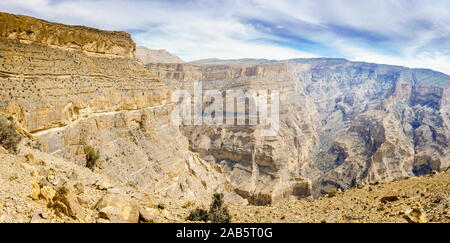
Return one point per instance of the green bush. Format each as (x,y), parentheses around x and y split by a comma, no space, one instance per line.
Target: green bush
(92,156)
(9,137)
(218,212)
(198,215)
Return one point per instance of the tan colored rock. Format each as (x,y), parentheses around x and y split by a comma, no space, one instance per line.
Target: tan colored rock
(25,166)
(83,201)
(147,215)
(52,178)
(48,193)
(66,202)
(103,221)
(118,209)
(416,215)
(155,56)
(79,187)
(30,158)
(38,217)
(103,185)
(3,150)
(35,191)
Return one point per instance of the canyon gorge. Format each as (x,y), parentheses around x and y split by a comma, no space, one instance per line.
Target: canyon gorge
(343,124)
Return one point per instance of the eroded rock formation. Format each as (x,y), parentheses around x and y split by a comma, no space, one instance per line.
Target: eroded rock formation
(30,30)
(342,123)
(72,86)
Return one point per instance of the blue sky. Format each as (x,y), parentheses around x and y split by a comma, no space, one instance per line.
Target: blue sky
(413,33)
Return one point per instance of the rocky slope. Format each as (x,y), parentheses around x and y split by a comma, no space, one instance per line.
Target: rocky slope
(155,56)
(25,181)
(413,200)
(342,123)
(70,87)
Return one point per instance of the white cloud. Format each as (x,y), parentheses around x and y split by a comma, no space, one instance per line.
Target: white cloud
(417,31)
(430,60)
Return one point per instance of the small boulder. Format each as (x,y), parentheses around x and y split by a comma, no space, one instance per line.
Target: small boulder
(48,193)
(43,182)
(103,185)
(416,215)
(118,209)
(66,202)
(102,221)
(3,150)
(146,215)
(52,178)
(83,201)
(387,199)
(38,217)
(79,188)
(35,191)
(30,158)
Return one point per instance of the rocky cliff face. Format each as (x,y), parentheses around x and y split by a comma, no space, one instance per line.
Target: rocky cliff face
(29,30)
(71,86)
(342,123)
(156,56)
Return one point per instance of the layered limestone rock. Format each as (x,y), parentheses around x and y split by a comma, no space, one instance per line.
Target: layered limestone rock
(341,123)
(68,98)
(155,56)
(30,30)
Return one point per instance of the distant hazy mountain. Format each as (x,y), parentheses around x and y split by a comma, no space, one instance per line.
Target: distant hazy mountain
(156,56)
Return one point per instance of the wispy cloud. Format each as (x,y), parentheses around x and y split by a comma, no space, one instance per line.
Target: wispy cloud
(412,33)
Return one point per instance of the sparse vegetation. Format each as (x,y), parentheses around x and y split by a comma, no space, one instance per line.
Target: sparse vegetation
(92,156)
(161,206)
(332,192)
(9,137)
(218,212)
(198,214)
(36,144)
